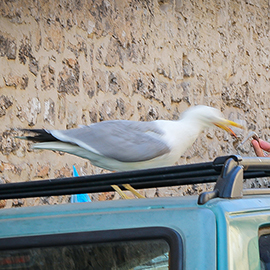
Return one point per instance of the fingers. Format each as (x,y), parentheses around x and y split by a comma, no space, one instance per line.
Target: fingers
(265,145)
(258,150)
(260,146)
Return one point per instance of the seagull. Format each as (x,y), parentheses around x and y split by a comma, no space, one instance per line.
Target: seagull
(123,145)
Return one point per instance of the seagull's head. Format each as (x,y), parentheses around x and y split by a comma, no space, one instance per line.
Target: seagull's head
(207,116)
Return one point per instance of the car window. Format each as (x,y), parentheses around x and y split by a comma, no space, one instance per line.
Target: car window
(137,249)
(264,247)
(148,254)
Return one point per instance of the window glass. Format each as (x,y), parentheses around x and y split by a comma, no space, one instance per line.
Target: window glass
(137,255)
(264,247)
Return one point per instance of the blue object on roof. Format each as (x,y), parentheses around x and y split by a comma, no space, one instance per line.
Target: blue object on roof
(79,198)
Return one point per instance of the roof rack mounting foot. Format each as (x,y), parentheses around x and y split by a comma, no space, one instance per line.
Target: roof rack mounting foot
(207,196)
(229,184)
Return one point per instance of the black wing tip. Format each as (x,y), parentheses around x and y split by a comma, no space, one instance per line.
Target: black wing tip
(41,135)
(38,131)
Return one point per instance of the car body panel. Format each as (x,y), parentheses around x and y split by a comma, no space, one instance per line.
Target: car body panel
(196,225)
(221,234)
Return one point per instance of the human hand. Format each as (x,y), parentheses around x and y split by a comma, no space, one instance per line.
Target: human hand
(261,146)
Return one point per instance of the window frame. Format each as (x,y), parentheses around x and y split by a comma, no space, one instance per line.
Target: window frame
(172,237)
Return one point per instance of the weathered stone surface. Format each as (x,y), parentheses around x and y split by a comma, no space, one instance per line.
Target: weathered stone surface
(49,111)
(114,55)
(30,111)
(113,84)
(47,78)
(93,115)
(65,171)
(81,62)
(236,96)
(79,48)
(120,105)
(16,81)
(68,81)
(42,171)
(25,51)
(107,110)
(54,39)
(72,115)
(5,103)
(5,166)
(8,47)
(61,108)
(8,144)
(152,114)
(18,202)
(88,85)
(3,203)
(188,69)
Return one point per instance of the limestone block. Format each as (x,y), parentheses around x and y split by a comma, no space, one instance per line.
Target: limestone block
(13,14)
(49,111)
(32,109)
(72,115)
(113,84)
(152,114)
(65,171)
(7,166)
(125,109)
(8,47)
(25,51)
(47,77)
(8,145)
(79,48)
(18,202)
(54,39)
(101,80)
(68,80)
(42,171)
(163,69)
(120,105)
(112,56)
(186,94)
(93,115)
(5,103)
(88,85)
(188,68)
(150,192)
(117,82)
(237,95)
(107,110)
(16,81)
(151,87)
(3,203)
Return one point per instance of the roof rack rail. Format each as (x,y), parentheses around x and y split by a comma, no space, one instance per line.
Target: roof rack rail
(227,171)
(230,182)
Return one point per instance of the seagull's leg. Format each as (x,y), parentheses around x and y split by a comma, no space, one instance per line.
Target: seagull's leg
(133,191)
(128,187)
(120,192)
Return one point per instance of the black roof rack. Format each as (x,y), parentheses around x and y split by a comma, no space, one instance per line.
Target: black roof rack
(228,172)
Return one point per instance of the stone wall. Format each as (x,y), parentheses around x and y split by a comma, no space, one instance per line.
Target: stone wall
(66,63)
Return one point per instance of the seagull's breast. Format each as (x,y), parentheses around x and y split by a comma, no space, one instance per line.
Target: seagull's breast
(179,136)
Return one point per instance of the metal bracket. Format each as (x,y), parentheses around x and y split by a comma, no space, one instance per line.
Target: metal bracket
(229,183)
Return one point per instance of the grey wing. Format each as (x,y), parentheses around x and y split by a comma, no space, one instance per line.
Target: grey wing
(125,141)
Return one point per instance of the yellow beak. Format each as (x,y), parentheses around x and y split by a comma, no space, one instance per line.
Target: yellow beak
(224,124)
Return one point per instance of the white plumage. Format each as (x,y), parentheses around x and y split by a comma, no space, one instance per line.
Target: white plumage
(122,145)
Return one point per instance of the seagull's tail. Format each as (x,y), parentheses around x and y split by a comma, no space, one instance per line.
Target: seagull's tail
(41,135)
